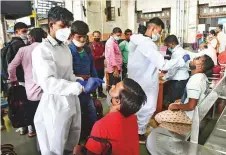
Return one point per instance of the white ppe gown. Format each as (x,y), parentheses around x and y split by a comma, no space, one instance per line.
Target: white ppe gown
(58,116)
(144,62)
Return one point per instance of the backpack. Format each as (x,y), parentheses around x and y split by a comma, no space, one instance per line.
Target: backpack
(6,57)
(19,108)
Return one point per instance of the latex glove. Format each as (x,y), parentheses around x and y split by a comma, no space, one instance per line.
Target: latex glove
(92,84)
(186,57)
(82,82)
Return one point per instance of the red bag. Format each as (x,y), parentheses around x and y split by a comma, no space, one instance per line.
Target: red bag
(216,69)
(222,58)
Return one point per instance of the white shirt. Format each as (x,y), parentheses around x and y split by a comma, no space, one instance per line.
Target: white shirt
(213,43)
(196,88)
(178,73)
(221,36)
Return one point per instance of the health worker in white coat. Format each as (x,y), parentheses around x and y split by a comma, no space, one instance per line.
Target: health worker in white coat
(144,62)
(58,117)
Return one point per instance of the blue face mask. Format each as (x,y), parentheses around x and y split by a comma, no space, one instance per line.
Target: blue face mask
(170,49)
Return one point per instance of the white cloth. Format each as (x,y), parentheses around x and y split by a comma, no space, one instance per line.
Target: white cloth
(221,36)
(210,51)
(144,62)
(58,117)
(196,88)
(178,73)
(213,43)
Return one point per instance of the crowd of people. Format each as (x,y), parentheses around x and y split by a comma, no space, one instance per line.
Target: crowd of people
(61,74)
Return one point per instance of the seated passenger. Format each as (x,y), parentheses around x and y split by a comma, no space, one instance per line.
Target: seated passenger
(178,76)
(119,126)
(183,112)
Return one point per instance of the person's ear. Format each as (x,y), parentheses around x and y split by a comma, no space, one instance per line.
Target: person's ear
(51,25)
(117,101)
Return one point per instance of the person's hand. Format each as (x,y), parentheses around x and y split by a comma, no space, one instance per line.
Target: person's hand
(177,101)
(186,57)
(173,107)
(92,84)
(82,82)
(116,73)
(15,83)
(78,150)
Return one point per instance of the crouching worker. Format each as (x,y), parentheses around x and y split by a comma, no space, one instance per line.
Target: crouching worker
(117,132)
(195,92)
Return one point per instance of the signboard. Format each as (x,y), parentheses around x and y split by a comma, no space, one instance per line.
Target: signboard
(43,7)
(217,3)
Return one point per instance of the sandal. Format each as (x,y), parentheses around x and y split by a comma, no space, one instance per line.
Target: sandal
(23,132)
(32,134)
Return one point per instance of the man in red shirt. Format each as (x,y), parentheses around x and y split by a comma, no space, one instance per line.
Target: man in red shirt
(98,53)
(119,127)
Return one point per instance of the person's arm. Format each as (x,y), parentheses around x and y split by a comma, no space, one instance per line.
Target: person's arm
(110,55)
(92,66)
(45,75)
(150,51)
(14,64)
(122,46)
(170,73)
(92,145)
(184,107)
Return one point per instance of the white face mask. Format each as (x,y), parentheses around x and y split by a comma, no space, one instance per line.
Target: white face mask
(117,38)
(78,44)
(63,34)
(155,37)
(24,38)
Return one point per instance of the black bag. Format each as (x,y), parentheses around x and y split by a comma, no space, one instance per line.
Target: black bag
(107,147)
(99,108)
(19,107)
(6,58)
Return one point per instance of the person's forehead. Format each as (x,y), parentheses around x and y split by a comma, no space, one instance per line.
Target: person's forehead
(120,85)
(96,34)
(118,33)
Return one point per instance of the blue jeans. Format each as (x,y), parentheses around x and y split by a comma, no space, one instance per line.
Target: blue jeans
(88,110)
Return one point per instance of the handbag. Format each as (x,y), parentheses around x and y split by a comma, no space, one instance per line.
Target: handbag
(19,108)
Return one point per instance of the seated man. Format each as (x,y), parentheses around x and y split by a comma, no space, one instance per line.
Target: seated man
(195,89)
(83,66)
(119,127)
(177,77)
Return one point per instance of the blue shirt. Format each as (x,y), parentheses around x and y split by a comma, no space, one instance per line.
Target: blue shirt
(83,65)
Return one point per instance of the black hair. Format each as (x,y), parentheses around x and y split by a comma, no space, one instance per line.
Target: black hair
(60,14)
(96,32)
(208,63)
(132,97)
(127,31)
(171,39)
(142,29)
(117,30)
(220,26)
(79,27)
(157,21)
(38,34)
(213,32)
(19,26)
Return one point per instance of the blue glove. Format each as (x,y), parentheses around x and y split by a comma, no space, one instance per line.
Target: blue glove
(186,57)
(92,84)
(82,82)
